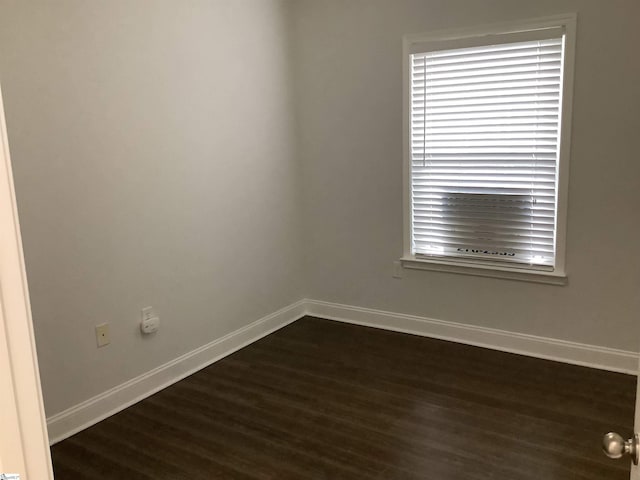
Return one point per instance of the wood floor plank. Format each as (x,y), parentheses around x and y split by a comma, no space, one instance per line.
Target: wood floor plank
(325,400)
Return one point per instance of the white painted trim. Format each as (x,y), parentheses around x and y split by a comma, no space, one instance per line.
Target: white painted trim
(496,28)
(483,270)
(93,410)
(534,346)
(635,469)
(569,22)
(24,447)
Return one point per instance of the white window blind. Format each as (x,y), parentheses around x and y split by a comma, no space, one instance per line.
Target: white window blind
(484,147)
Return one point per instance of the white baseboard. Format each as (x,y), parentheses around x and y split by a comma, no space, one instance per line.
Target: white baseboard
(541,347)
(90,412)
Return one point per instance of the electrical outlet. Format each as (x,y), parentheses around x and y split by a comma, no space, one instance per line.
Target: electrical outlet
(102,334)
(397,269)
(150,321)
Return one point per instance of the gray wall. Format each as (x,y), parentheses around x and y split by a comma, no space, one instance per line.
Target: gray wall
(152,145)
(181,154)
(349,100)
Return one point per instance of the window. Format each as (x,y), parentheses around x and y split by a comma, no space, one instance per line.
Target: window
(487,149)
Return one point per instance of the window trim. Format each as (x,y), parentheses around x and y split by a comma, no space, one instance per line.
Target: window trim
(558,275)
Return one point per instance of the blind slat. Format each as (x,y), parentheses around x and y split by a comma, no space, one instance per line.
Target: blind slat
(491,54)
(488,80)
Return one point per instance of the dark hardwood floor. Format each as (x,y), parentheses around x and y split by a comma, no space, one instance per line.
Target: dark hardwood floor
(324,400)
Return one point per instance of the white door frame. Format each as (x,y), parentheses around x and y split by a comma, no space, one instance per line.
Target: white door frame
(24,444)
(635,469)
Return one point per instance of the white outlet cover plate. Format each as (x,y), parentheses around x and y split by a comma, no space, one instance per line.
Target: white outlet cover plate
(102,334)
(397,269)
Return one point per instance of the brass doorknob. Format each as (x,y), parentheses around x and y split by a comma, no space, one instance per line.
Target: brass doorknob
(615,446)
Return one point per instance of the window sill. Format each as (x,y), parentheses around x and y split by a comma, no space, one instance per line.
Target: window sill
(493,271)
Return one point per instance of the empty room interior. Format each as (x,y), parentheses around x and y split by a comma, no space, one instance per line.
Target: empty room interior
(328,239)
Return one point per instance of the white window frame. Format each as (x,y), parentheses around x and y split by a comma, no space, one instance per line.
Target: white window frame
(558,276)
